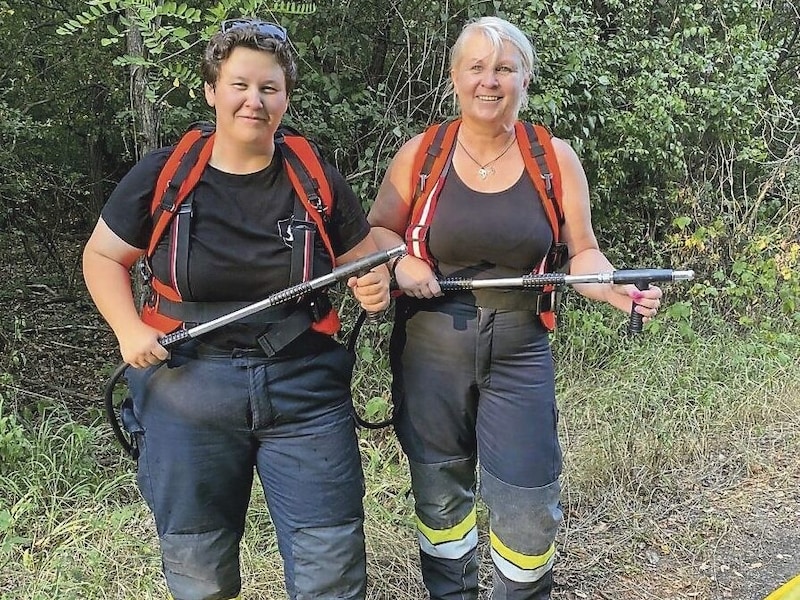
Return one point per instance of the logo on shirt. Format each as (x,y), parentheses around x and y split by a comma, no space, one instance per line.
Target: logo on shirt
(288,228)
(285,231)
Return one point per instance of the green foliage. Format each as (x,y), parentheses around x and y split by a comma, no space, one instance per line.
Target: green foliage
(37,199)
(762,286)
(158,42)
(745,249)
(644,92)
(14,446)
(368,84)
(55,132)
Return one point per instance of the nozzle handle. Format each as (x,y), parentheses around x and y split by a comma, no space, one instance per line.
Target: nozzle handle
(636,322)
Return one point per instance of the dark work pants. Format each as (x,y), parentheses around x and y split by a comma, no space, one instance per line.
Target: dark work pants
(207,419)
(477,385)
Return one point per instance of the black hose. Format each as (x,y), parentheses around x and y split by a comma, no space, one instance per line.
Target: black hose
(111,413)
(351,347)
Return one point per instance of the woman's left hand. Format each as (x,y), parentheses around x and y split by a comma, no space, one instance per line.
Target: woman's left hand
(645,302)
(371,290)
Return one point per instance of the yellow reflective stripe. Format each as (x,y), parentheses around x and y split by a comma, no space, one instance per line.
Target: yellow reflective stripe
(452,550)
(514,573)
(451,534)
(523,561)
(788,591)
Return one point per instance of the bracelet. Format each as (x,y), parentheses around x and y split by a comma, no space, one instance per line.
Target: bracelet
(393,266)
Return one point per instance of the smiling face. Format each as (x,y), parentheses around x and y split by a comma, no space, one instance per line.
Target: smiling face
(489,83)
(249,97)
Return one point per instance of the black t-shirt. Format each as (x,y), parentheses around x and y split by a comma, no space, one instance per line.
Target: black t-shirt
(237,248)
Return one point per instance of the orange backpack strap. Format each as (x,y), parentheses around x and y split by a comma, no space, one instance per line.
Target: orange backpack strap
(177,179)
(312,187)
(175,183)
(430,167)
(542,167)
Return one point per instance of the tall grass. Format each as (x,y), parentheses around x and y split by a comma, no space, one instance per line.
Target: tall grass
(642,421)
(660,405)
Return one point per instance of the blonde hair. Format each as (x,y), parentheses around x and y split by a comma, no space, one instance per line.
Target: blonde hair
(497,31)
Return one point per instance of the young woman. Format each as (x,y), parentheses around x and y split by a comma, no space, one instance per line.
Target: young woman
(220,407)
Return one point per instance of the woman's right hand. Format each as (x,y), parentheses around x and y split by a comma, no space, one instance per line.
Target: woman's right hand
(107,260)
(416,278)
(139,346)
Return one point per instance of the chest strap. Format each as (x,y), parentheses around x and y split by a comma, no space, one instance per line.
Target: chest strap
(196,313)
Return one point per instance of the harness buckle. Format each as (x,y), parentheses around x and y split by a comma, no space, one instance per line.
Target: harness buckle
(145,271)
(557,257)
(319,306)
(280,334)
(548,182)
(317,203)
(147,295)
(423,178)
(168,199)
(548,301)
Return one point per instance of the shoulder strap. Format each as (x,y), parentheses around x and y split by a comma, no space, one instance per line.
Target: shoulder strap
(431,160)
(312,187)
(542,167)
(305,170)
(430,167)
(178,177)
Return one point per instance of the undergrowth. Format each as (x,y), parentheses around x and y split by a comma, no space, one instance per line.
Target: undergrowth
(639,419)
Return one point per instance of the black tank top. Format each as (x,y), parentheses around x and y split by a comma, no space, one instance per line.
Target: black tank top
(487,235)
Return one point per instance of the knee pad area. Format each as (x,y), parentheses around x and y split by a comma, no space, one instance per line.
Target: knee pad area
(328,562)
(523,526)
(444,497)
(444,493)
(202,566)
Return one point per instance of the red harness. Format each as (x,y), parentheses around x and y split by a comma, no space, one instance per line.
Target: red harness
(432,163)
(180,175)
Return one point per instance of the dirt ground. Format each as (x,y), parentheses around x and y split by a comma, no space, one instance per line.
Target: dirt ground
(747,532)
(732,537)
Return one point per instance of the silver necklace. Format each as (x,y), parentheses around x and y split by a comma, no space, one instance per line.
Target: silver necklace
(485,170)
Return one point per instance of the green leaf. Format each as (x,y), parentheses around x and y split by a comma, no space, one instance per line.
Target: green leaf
(681,222)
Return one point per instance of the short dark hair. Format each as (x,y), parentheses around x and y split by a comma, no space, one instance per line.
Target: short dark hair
(223,43)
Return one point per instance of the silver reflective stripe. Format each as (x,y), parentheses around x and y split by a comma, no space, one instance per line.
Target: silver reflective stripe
(515,573)
(452,550)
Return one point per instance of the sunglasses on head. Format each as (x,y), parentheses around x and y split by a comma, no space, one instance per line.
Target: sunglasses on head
(270,30)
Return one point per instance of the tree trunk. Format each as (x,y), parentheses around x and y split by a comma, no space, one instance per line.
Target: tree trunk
(146,123)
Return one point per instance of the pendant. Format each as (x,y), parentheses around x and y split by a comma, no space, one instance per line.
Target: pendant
(483,173)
